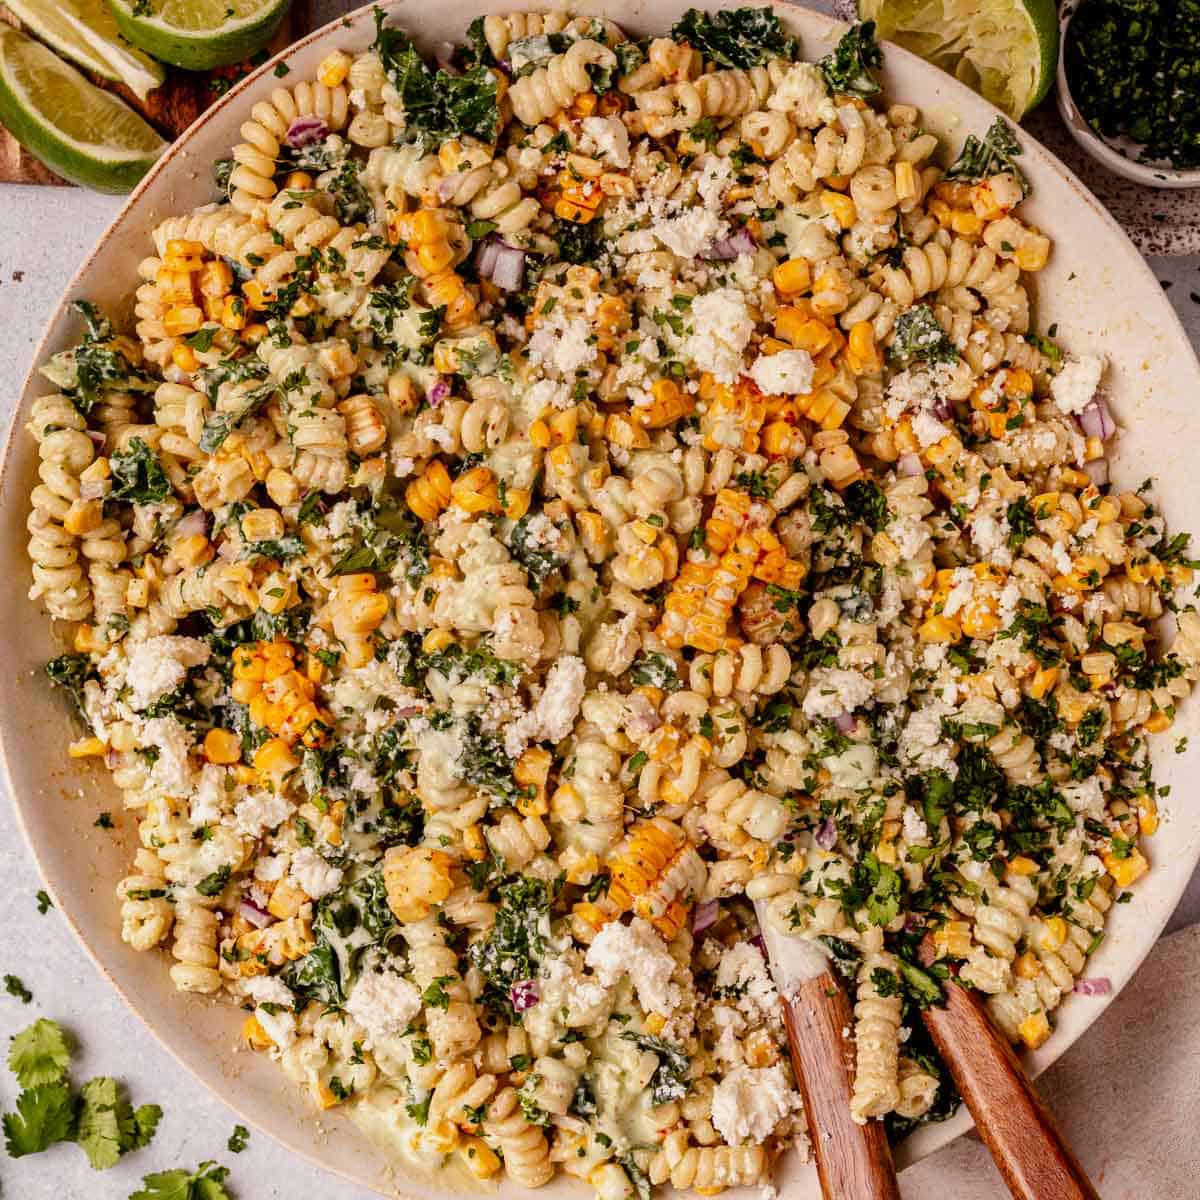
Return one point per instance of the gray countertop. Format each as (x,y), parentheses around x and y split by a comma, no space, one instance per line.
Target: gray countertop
(44,234)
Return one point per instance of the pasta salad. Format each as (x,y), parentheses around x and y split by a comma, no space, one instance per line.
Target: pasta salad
(555,501)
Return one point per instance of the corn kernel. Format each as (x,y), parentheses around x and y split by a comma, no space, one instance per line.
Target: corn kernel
(654,1023)
(88,747)
(333,69)
(792,277)
(254,1035)
(1126,871)
(1022,865)
(1034,1030)
(1147,811)
(181,319)
(1027,966)
(480,1159)
(184,357)
(222,747)
(842,208)
(1054,933)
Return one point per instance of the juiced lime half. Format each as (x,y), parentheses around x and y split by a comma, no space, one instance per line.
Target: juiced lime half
(84,133)
(1007,50)
(85,32)
(199,34)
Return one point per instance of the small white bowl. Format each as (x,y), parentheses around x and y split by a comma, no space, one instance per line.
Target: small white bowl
(1118,154)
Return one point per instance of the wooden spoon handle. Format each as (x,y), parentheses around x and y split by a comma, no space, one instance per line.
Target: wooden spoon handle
(1011,1117)
(854,1161)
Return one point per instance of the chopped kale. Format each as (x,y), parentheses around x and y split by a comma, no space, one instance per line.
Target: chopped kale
(137,475)
(848,69)
(736,37)
(990,156)
(512,949)
(919,336)
(671,1078)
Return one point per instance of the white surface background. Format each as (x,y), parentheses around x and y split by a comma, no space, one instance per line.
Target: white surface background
(1119,1134)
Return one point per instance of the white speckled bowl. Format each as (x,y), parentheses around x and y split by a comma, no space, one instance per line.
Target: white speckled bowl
(1118,154)
(1096,288)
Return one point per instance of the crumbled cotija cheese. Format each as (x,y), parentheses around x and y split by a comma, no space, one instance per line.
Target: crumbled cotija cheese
(172,771)
(743,970)
(610,138)
(802,93)
(790,372)
(750,1101)
(688,234)
(553,716)
(638,951)
(313,874)
(159,665)
(261,811)
(1074,387)
(721,329)
(832,691)
(383,1003)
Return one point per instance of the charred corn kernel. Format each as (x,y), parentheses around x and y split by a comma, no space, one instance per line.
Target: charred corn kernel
(531,772)
(862,354)
(88,639)
(668,404)
(430,494)
(1034,1030)
(435,640)
(619,429)
(221,746)
(181,319)
(514,502)
(841,207)
(781,440)
(1033,253)
(333,69)
(1022,865)
(965,224)
(906,181)
(474,491)
(802,332)
(183,248)
(1128,870)
(1158,723)
(286,900)
(254,1035)
(792,277)
(1043,681)
(568,210)
(257,296)
(275,759)
(824,407)
(1027,966)
(299,181)
(473,843)
(939,629)
(654,1023)
(953,940)
(88,747)
(233,313)
(1147,811)
(539,434)
(480,1159)
(193,550)
(416,879)
(1054,933)
(215,279)
(325,1098)
(184,357)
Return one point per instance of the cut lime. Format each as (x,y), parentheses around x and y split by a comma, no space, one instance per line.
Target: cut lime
(84,31)
(1007,50)
(85,134)
(199,34)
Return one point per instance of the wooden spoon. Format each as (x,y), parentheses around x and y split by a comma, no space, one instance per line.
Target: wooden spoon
(854,1162)
(1015,1124)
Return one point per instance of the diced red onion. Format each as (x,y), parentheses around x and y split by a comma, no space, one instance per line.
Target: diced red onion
(1097,471)
(728,248)
(1096,421)
(909,464)
(408,710)
(1099,986)
(112,759)
(228,550)
(509,269)
(705,915)
(757,942)
(443,54)
(827,834)
(257,917)
(913,922)
(91,489)
(97,438)
(438,393)
(845,722)
(524,995)
(303,131)
(485,256)
(194,523)
(943,409)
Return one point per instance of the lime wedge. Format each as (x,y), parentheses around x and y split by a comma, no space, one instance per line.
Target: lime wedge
(1007,50)
(199,34)
(84,31)
(84,133)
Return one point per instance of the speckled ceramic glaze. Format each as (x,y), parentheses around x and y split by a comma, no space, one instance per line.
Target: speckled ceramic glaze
(1096,288)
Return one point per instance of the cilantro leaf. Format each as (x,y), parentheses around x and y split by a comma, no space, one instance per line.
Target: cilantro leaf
(45,1115)
(207,1182)
(238,1139)
(98,1132)
(15,987)
(40,1054)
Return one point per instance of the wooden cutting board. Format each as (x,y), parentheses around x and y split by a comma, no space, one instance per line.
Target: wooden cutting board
(170,108)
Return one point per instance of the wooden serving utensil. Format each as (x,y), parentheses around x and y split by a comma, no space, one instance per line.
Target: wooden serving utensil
(854,1162)
(1016,1126)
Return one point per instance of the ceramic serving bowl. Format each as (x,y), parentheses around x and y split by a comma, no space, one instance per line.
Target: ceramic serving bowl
(1098,292)
(1118,154)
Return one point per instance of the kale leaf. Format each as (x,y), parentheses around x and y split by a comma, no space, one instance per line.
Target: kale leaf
(137,475)
(848,69)
(993,154)
(736,37)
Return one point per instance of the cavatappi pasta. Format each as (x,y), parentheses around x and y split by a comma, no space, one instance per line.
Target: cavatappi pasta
(542,508)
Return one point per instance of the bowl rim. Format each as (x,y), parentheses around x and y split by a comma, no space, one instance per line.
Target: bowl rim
(1098,147)
(927,1139)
